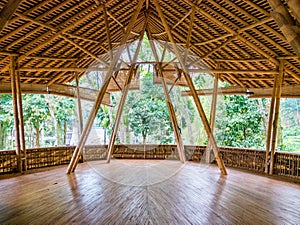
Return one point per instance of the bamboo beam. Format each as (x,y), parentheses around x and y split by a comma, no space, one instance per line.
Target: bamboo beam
(240,60)
(61,29)
(13,62)
(75,157)
(294,6)
(108,36)
(179,22)
(220,71)
(193,90)
(57,89)
(62,69)
(291,91)
(124,96)
(285,23)
(7,12)
(52,58)
(188,39)
(276,115)
(251,26)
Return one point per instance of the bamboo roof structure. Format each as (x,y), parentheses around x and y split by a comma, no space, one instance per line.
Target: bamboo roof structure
(242,41)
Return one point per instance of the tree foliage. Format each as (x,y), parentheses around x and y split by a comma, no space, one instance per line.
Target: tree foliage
(241,123)
(148,114)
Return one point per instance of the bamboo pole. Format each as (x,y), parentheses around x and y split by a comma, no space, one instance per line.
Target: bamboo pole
(21,122)
(13,62)
(213,110)
(79,109)
(269,132)
(174,121)
(193,90)
(7,11)
(276,115)
(88,126)
(119,114)
(295,8)
(124,96)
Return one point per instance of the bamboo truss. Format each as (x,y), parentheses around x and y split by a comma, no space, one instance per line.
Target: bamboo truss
(78,150)
(193,90)
(243,43)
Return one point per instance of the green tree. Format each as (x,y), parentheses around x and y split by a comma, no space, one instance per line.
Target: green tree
(148,114)
(6,120)
(36,112)
(240,125)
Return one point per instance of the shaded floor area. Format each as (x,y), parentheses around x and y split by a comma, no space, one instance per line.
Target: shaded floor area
(147,192)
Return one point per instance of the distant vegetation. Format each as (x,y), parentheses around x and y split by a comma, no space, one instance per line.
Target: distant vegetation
(240,121)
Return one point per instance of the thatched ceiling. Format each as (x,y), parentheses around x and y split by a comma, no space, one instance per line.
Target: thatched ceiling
(239,39)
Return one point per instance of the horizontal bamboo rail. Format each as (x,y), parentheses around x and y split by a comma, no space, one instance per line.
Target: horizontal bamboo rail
(286,164)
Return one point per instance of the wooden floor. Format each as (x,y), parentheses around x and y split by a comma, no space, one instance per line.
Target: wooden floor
(147,192)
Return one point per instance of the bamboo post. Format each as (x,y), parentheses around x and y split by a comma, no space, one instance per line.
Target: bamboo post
(21,122)
(119,114)
(174,121)
(13,62)
(88,126)
(269,132)
(123,98)
(213,110)
(193,90)
(276,115)
(79,109)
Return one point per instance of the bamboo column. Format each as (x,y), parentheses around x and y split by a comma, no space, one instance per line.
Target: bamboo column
(174,121)
(119,114)
(21,122)
(124,96)
(79,109)
(88,126)
(193,90)
(270,123)
(276,115)
(213,110)
(13,78)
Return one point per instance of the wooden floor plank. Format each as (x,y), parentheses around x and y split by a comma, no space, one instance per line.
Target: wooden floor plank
(147,192)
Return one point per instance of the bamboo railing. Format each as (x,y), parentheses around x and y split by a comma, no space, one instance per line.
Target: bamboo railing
(286,164)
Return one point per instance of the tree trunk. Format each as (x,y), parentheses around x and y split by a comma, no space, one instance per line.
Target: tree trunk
(37,139)
(55,123)
(265,119)
(189,125)
(127,131)
(65,132)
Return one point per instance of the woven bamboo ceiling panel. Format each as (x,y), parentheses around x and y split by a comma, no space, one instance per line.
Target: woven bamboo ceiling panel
(241,40)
